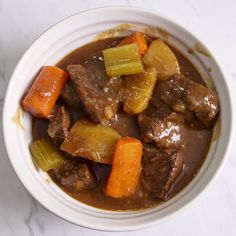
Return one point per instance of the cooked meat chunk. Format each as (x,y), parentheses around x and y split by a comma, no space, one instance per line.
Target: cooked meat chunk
(188,97)
(160,170)
(59,123)
(161,126)
(100,105)
(76,176)
(69,96)
(115,87)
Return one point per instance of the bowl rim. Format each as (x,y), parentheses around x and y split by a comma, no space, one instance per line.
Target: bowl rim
(182,206)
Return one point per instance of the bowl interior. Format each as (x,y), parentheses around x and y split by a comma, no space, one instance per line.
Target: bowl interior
(52,46)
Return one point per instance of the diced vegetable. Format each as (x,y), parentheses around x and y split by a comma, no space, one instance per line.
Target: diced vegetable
(93,142)
(126,167)
(43,94)
(138,91)
(160,56)
(123,60)
(46,155)
(139,39)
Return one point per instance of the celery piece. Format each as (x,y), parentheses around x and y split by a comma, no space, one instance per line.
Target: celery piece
(45,154)
(138,91)
(123,60)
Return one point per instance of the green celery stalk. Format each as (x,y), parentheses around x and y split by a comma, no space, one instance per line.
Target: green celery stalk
(45,154)
(123,60)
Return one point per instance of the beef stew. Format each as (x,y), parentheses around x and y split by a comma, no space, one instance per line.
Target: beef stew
(132,122)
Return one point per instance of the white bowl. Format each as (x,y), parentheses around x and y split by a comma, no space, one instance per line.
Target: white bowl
(49,48)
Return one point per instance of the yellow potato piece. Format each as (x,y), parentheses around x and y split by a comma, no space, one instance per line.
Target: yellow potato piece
(160,56)
(138,91)
(93,142)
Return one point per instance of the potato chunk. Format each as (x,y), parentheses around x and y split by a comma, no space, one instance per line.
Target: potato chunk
(138,91)
(160,56)
(93,142)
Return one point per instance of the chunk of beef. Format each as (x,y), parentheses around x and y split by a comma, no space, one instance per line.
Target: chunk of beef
(75,176)
(59,123)
(190,98)
(115,87)
(70,97)
(160,170)
(100,105)
(161,126)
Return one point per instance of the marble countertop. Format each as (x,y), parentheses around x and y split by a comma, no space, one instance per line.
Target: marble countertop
(214,213)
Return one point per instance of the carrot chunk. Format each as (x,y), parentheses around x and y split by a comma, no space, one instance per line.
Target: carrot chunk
(126,167)
(45,91)
(139,39)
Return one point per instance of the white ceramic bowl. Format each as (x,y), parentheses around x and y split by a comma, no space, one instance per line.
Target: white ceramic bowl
(52,46)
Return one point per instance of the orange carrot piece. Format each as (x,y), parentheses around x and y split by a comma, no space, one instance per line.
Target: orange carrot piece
(126,167)
(45,91)
(139,39)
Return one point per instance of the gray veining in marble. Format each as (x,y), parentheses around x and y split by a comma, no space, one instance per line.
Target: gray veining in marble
(30,216)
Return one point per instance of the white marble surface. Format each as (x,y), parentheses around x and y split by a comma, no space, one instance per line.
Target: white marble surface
(214,213)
